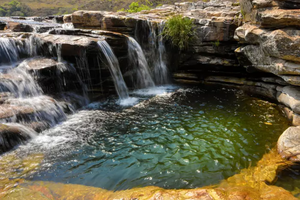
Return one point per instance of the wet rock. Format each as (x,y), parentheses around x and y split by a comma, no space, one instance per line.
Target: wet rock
(289,144)
(39,64)
(69,45)
(12,135)
(58,19)
(19,27)
(2,25)
(293,117)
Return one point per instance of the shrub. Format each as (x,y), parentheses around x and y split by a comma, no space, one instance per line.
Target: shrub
(14,8)
(180,30)
(135,7)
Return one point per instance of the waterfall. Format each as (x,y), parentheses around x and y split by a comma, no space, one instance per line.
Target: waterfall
(19,82)
(68,26)
(138,60)
(9,51)
(155,50)
(24,101)
(161,74)
(114,69)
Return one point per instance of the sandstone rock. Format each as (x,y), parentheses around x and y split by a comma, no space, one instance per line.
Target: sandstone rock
(279,18)
(38,64)
(289,144)
(70,45)
(283,43)
(88,19)
(293,117)
(291,98)
(19,27)
(67,18)
(272,51)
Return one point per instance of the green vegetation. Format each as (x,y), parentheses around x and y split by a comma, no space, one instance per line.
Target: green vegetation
(243,13)
(180,30)
(135,7)
(14,8)
(216,43)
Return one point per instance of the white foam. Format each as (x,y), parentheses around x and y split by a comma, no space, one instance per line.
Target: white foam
(130,101)
(160,90)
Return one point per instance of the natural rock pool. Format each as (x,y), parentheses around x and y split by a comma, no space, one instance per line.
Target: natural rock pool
(182,138)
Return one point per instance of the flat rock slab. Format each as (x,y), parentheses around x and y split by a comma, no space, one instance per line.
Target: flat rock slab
(41,63)
(289,144)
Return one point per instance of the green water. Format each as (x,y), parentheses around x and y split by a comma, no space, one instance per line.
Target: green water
(187,139)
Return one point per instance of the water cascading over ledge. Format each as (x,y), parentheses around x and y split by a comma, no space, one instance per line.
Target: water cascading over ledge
(25,85)
(114,68)
(139,62)
(149,35)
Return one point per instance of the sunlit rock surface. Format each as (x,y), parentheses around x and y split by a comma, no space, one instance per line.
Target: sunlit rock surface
(289,144)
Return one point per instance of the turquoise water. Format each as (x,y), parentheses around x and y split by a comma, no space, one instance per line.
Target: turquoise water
(185,139)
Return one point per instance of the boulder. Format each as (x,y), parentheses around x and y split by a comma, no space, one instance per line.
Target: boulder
(19,27)
(288,144)
(88,19)
(67,18)
(293,117)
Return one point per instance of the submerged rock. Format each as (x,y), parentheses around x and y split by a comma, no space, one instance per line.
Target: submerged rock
(289,144)
(12,135)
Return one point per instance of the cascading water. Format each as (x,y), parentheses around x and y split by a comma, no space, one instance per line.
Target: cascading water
(68,26)
(114,69)
(155,50)
(9,52)
(160,70)
(26,101)
(19,82)
(138,60)
(22,99)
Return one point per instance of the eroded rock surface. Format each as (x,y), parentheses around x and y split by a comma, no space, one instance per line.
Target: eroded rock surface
(289,144)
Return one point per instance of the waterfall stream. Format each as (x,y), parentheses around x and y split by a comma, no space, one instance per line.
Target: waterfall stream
(154,48)
(114,69)
(138,60)
(160,70)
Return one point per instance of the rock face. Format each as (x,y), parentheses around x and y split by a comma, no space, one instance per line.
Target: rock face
(269,40)
(289,144)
